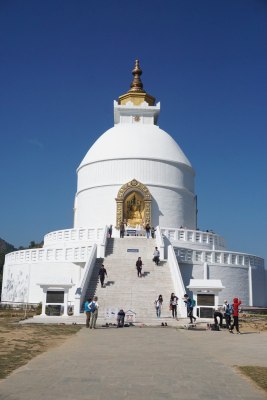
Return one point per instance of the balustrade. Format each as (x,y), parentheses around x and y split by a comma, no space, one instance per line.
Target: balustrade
(206,239)
(218,257)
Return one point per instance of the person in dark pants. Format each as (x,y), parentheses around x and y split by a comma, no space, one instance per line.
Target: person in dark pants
(156,255)
(102,273)
(110,231)
(190,307)
(218,314)
(122,230)
(139,265)
(227,313)
(120,319)
(173,305)
(235,324)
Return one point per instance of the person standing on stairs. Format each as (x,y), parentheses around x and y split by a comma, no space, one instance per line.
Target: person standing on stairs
(110,231)
(122,229)
(102,273)
(148,229)
(156,255)
(139,265)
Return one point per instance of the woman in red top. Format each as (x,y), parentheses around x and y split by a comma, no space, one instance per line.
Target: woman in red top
(235,305)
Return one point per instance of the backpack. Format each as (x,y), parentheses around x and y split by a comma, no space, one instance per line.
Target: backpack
(229,309)
(92,307)
(193,303)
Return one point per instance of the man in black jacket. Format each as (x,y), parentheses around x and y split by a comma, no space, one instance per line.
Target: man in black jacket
(102,273)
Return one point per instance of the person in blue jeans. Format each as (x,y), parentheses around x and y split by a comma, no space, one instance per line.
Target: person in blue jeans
(158,305)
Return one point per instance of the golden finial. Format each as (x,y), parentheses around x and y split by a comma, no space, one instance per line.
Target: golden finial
(136,85)
(137,95)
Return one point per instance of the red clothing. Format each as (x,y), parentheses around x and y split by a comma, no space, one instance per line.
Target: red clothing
(235,306)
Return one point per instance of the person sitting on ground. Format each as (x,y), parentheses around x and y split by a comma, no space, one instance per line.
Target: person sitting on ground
(218,314)
(156,255)
(190,304)
(120,318)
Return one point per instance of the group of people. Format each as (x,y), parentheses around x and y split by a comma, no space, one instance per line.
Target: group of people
(91,310)
(228,311)
(150,231)
(173,303)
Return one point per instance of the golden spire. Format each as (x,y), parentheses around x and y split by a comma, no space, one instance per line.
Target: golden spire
(136,85)
(137,95)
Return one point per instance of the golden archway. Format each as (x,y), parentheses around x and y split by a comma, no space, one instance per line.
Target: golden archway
(133,204)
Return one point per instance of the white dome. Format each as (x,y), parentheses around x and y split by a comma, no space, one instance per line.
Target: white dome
(135,141)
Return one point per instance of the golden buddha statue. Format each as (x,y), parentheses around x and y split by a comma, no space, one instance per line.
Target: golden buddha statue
(134,210)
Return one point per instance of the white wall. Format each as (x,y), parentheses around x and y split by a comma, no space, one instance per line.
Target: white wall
(171,186)
(18,287)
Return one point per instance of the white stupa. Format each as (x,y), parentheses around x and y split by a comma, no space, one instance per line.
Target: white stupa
(135,174)
(136,153)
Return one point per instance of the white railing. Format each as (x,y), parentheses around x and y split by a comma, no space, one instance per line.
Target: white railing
(74,235)
(72,245)
(101,248)
(84,282)
(72,254)
(177,279)
(217,257)
(160,242)
(194,237)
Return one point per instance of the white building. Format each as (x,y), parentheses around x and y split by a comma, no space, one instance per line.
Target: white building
(136,173)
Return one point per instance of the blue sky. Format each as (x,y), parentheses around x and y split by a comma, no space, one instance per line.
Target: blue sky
(64,62)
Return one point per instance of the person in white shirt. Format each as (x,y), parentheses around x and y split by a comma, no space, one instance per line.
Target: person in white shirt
(156,255)
(93,306)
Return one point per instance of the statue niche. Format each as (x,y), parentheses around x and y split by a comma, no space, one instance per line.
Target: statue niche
(133,204)
(134,207)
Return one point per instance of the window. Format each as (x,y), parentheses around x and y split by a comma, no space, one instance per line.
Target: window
(205,300)
(55,296)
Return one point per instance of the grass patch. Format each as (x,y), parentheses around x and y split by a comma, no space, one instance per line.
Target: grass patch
(257,374)
(20,343)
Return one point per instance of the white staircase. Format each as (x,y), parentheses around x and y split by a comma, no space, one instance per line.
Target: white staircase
(123,289)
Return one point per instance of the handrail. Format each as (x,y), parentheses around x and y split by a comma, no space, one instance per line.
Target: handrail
(160,242)
(101,248)
(84,281)
(177,279)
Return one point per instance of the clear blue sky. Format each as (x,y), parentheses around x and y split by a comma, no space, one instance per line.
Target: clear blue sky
(64,62)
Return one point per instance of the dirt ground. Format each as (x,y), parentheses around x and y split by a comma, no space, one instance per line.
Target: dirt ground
(20,343)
